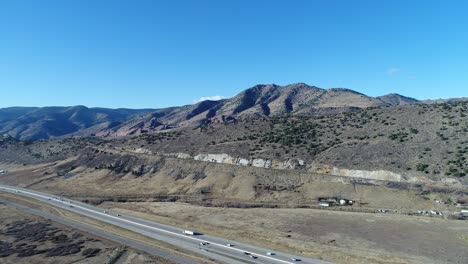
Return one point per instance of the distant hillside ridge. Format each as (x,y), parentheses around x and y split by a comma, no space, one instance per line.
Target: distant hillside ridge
(259,101)
(426,143)
(48,122)
(262,100)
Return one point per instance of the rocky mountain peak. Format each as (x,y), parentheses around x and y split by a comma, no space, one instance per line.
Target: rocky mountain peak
(259,101)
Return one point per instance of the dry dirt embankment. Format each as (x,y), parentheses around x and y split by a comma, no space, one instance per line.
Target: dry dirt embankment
(300,165)
(127,176)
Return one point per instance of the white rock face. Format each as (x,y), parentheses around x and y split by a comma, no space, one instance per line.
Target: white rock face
(372,175)
(217,158)
(261,163)
(143,151)
(294,163)
(183,156)
(177,155)
(226,159)
(290,164)
(243,162)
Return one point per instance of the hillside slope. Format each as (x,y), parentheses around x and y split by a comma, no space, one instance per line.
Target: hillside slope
(258,101)
(409,143)
(47,122)
(414,141)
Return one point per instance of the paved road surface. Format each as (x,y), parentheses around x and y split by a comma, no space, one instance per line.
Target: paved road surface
(220,249)
(104,234)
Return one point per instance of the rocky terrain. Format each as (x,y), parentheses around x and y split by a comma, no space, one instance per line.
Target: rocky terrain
(25,238)
(269,144)
(411,143)
(39,234)
(260,100)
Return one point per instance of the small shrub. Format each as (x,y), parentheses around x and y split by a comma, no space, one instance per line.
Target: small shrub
(421,167)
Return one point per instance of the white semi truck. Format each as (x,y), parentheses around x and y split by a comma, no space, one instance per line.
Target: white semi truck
(188,233)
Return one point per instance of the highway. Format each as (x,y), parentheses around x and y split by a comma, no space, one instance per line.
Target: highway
(152,250)
(219,249)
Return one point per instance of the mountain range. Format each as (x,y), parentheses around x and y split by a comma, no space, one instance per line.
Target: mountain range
(255,102)
(327,131)
(49,122)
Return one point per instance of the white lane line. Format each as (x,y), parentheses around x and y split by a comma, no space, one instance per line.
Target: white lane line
(150,227)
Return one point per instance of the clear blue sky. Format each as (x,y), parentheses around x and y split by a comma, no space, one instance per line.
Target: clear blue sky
(161,53)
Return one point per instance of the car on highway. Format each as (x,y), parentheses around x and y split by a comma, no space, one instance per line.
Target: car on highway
(252,256)
(270,253)
(295,259)
(229,245)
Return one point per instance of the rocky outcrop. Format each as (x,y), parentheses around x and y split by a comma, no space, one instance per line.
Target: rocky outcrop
(372,175)
(228,159)
(295,164)
(143,151)
(261,163)
(244,162)
(216,158)
(382,175)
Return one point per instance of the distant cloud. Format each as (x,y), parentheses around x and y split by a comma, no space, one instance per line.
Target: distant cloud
(393,71)
(212,98)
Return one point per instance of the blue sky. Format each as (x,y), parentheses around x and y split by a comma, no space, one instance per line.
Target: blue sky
(151,54)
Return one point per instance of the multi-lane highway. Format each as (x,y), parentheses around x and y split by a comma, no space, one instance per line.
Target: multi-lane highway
(96,231)
(220,249)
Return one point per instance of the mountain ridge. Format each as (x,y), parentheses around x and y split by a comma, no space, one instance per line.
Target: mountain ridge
(261,100)
(258,101)
(56,121)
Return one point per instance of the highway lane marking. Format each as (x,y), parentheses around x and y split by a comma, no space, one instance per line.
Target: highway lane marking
(147,226)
